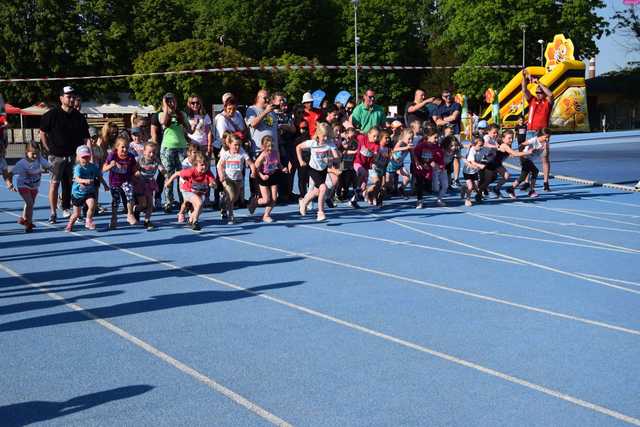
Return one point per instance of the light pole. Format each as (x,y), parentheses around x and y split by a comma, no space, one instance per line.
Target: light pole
(356,40)
(541,42)
(523,27)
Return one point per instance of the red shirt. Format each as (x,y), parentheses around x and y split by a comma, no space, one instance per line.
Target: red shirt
(424,154)
(311,117)
(539,111)
(195,182)
(366,153)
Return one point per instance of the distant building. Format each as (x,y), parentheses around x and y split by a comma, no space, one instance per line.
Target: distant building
(614,96)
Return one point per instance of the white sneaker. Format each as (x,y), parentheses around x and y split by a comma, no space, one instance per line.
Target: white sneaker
(66,213)
(419,205)
(638,186)
(441,203)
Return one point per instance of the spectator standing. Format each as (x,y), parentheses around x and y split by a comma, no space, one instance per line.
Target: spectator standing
(262,121)
(368,114)
(449,113)
(310,115)
(418,109)
(62,130)
(539,111)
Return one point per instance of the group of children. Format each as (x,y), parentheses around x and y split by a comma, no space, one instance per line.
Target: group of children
(338,158)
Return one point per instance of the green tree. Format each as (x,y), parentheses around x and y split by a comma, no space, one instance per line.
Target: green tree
(189,55)
(296,82)
(487,32)
(627,22)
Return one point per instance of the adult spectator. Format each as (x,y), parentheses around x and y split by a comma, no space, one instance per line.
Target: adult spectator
(77,103)
(199,126)
(449,113)
(286,136)
(262,121)
(174,124)
(62,130)
(229,120)
(332,114)
(311,115)
(539,111)
(368,114)
(418,109)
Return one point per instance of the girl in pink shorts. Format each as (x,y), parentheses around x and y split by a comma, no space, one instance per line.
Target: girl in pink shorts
(363,161)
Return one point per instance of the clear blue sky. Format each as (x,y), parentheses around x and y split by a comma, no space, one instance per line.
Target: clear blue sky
(614,49)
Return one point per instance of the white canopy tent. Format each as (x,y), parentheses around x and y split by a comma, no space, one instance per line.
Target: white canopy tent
(126,105)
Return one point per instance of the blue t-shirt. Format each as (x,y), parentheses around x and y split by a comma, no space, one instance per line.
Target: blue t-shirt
(446,110)
(88,171)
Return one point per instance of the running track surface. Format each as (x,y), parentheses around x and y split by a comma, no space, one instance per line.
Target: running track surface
(509,313)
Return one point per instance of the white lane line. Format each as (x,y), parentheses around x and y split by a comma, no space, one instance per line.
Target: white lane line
(626,282)
(633,205)
(440,287)
(587,211)
(551,233)
(564,224)
(408,243)
(506,256)
(614,221)
(408,344)
(216,386)
(515,236)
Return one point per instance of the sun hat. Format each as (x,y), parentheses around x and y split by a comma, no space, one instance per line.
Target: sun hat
(307,97)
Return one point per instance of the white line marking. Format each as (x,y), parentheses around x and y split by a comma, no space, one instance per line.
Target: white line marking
(587,211)
(633,205)
(615,221)
(515,236)
(219,388)
(408,344)
(627,282)
(410,244)
(564,224)
(551,233)
(533,264)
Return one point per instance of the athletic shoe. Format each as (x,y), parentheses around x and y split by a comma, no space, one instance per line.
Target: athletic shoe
(53,219)
(253,204)
(329,203)
(419,205)
(441,203)
(149,225)
(232,220)
(533,194)
(224,215)
(66,213)
(100,210)
(478,197)
(196,226)
(546,187)
(524,186)
(302,207)
(638,186)
(455,185)
(89,225)
(321,217)
(167,208)
(180,218)
(68,228)
(22,221)
(354,203)
(267,219)
(511,192)
(496,191)
(468,203)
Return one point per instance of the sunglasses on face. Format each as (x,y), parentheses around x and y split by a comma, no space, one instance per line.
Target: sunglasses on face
(194,103)
(371,97)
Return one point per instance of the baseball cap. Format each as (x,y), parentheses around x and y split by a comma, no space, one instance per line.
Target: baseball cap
(83,151)
(307,97)
(168,95)
(67,90)
(226,97)
(135,130)
(93,132)
(482,124)
(396,124)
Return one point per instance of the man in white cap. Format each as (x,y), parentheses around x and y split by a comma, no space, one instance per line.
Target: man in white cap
(62,130)
(311,115)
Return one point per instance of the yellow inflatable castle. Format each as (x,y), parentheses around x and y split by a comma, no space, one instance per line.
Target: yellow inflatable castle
(564,76)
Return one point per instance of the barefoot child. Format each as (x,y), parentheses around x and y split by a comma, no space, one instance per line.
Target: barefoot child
(28,172)
(121,166)
(196,182)
(85,187)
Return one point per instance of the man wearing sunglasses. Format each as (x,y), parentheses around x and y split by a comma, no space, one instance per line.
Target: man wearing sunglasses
(368,114)
(540,107)
(448,114)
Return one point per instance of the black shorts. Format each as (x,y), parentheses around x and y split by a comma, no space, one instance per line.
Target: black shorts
(272,180)
(318,177)
(80,201)
(471,176)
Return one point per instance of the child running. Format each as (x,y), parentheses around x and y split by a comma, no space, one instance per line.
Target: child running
(122,166)
(363,161)
(322,151)
(428,157)
(148,166)
(230,168)
(494,167)
(28,172)
(85,187)
(533,148)
(196,182)
(395,168)
(185,206)
(470,170)
(268,167)
(375,192)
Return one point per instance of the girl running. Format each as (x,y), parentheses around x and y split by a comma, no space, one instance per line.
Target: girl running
(427,158)
(533,148)
(494,167)
(348,149)
(230,168)
(86,180)
(28,172)
(148,167)
(196,181)
(268,167)
(395,168)
(121,165)
(185,206)
(363,161)
(470,170)
(375,192)
(322,151)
